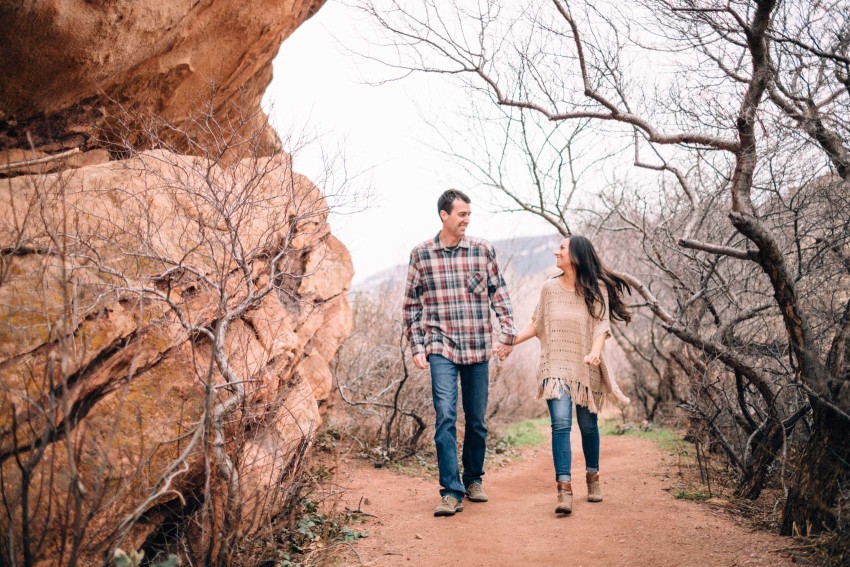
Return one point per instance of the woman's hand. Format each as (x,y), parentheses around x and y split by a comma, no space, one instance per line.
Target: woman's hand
(502,351)
(595,356)
(593,359)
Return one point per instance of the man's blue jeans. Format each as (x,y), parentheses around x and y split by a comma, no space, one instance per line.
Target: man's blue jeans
(561,414)
(474,384)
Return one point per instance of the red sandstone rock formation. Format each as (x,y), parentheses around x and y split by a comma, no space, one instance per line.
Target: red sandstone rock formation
(69,66)
(110,269)
(116,275)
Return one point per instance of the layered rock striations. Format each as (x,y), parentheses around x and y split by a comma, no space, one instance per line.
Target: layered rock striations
(167,316)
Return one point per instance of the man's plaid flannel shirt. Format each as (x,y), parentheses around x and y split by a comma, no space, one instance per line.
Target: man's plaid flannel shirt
(448,297)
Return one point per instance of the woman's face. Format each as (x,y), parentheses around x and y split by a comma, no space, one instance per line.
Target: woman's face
(562,256)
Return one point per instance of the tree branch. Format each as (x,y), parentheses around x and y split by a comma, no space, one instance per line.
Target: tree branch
(718,249)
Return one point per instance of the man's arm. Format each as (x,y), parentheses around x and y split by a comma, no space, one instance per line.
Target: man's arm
(412,313)
(500,301)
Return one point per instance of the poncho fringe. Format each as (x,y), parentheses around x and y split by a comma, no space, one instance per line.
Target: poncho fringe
(554,388)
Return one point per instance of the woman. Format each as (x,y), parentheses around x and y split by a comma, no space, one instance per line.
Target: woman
(572,322)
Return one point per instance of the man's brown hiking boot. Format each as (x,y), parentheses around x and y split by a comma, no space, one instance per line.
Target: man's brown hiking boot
(448,506)
(475,492)
(594,491)
(565,498)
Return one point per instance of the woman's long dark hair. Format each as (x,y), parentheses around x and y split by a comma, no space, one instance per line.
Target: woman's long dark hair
(589,273)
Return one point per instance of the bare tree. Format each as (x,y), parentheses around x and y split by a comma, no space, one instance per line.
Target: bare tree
(750,119)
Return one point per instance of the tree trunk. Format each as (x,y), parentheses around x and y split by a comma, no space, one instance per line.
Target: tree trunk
(812,504)
(765,448)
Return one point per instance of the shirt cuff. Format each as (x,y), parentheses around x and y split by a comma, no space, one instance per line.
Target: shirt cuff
(417,349)
(507,339)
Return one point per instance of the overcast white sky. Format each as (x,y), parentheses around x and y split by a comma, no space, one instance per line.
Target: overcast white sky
(317,85)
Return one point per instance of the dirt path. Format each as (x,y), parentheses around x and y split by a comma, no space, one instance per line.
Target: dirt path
(639,523)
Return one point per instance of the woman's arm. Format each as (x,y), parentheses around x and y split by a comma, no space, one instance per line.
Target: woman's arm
(527,333)
(531,329)
(601,331)
(502,351)
(595,356)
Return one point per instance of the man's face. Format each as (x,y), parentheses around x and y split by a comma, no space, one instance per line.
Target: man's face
(456,222)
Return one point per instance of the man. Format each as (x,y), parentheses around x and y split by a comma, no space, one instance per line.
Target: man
(452,282)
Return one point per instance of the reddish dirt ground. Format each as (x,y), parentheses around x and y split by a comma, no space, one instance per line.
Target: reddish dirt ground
(638,523)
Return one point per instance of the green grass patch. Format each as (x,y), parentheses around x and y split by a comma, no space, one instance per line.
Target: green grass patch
(691,495)
(526,433)
(667,439)
(416,466)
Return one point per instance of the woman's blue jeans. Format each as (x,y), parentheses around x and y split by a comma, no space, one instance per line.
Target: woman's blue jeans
(474,384)
(561,414)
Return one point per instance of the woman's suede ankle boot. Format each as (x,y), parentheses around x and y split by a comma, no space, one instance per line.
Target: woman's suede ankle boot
(594,491)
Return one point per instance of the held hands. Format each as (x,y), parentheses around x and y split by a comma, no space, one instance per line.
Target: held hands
(502,350)
(593,359)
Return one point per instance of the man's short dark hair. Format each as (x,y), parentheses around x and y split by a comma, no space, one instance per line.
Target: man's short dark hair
(447,199)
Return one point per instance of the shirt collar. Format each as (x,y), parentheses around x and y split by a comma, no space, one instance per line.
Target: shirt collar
(464,242)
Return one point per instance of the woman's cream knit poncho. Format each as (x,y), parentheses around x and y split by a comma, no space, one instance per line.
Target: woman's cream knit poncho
(566,331)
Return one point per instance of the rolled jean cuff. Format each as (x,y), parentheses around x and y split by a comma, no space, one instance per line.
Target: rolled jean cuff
(455,495)
(592,469)
(563,478)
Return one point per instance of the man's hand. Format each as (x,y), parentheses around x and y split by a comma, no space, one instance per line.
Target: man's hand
(502,350)
(420,361)
(593,359)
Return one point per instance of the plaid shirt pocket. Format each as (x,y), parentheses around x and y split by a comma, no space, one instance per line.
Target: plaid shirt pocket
(476,283)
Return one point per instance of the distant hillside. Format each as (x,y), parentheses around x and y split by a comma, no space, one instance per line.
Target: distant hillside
(524,256)
(528,255)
